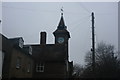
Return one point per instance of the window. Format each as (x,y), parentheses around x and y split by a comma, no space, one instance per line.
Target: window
(40,67)
(20,43)
(1,64)
(30,50)
(29,67)
(18,62)
(67,65)
(3,54)
(37,68)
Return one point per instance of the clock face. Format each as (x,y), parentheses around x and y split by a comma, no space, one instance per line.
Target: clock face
(60,40)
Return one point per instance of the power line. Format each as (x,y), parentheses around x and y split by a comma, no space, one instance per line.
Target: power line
(87,10)
(27,9)
(77,26)
(79,22)
(42,11)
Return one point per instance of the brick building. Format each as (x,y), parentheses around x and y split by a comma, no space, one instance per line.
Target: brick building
(17,62)
(51,60)
(38,60)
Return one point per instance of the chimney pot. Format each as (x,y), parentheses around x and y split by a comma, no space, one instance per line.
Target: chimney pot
(43,38)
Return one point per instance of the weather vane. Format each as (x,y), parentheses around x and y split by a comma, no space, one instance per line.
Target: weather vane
(62,10)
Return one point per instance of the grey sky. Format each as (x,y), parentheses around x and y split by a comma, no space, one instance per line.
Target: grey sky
(29,19)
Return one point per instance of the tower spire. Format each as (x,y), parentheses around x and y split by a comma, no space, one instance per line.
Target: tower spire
(62,11)
(61,23)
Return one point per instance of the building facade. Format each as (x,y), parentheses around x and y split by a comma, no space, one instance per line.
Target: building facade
(1,61)
(17,62)
(38,60)
(51,60)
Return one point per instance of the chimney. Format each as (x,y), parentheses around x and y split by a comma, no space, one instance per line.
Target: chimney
(43,38)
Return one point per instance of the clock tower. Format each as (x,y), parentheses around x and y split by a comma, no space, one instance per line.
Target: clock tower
(61,34)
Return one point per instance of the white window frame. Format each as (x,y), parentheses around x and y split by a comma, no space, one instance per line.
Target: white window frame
(30,50)
(18,62)
(40,67)
(3,55)
(29,67)
(21,43)
(67,65)
(1,63)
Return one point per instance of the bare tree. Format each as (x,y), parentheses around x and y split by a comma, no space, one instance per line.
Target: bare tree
(106,63)
(77,70)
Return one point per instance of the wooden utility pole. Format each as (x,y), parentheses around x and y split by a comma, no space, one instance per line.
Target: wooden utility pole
(93,44)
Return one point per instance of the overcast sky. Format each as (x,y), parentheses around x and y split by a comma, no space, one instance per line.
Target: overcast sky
(29,19)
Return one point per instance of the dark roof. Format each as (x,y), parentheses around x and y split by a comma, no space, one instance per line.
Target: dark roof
(12,42)
(3,42)
(2,36)
(61,29)
(62,23)
(15,41)
(22,50)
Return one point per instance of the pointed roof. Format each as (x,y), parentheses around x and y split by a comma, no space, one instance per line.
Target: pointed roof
(61,24)
(61,27)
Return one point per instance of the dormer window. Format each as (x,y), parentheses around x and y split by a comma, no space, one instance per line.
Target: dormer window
(30,50)
(20,43)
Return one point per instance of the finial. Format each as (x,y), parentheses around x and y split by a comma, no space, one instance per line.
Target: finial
(62,11)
